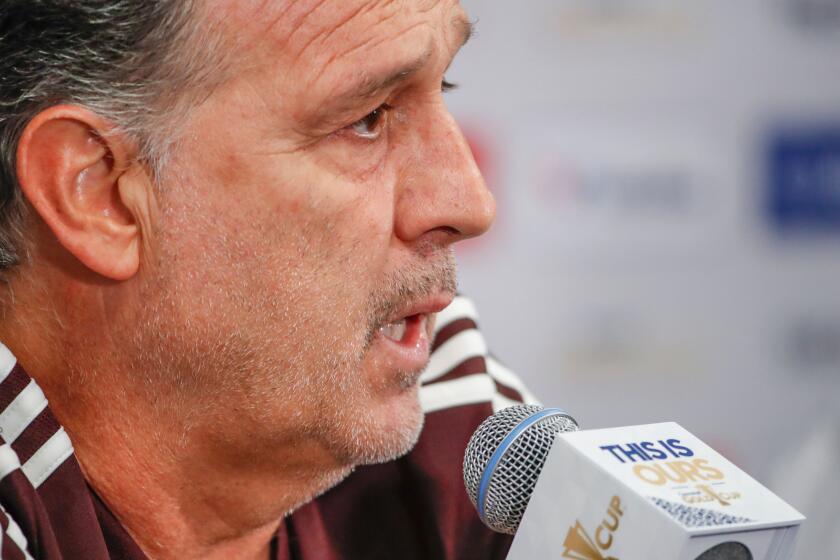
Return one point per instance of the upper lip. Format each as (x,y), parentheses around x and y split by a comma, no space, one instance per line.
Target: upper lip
(425,306)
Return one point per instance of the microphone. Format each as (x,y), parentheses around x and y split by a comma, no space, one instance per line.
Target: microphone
(504,459)
(651,492)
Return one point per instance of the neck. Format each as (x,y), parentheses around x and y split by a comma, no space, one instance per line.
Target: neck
(199,492)
(188,500)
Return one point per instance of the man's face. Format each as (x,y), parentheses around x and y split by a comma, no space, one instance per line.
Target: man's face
(303,240)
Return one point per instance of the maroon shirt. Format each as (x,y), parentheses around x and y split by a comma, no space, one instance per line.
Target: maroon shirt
(412,508)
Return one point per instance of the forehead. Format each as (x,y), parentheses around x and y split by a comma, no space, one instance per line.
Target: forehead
(323,30)
(291,13)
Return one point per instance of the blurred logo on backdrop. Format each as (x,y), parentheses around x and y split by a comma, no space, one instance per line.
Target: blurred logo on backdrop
(655,189)
(813,15)
(626,189)
(622,16)
(811,345)
(803,180)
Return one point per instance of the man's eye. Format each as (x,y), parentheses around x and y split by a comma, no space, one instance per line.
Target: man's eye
(371,125)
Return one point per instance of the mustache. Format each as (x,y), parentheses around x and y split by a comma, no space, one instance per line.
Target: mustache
(436,275)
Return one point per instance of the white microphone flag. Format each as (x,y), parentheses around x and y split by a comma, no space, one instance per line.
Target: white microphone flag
(651,492)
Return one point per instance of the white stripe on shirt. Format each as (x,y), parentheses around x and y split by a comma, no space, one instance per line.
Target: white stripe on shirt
(9,461)
(7,362)
(16,535)
(464,345)
(48,458)
(460,308)
(28,404)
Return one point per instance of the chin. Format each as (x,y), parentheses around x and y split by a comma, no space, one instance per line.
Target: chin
(384,431)
(403,425)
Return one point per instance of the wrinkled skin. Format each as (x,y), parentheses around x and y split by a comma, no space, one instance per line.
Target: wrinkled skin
(286,238)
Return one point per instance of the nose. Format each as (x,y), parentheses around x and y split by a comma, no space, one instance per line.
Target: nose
(442,189)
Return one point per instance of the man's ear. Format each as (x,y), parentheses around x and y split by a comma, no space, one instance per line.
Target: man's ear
(80,179)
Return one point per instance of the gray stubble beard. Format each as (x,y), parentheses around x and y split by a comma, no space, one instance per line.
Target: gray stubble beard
(181,362)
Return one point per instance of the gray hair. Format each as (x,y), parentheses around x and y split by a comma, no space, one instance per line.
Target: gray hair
(137,63)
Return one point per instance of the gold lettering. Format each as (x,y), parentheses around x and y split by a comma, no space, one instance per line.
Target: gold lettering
(601,544)
(650,474)
(711,472)
(711,493)
(688,470)
(673,472)
(615,504)
(611,516)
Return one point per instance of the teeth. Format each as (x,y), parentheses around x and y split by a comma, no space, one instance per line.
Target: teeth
(394,331)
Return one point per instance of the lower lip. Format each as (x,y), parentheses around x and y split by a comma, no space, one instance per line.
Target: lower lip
(412,352)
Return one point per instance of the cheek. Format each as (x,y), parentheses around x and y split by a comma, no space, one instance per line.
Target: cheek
(289,210)
(341,217)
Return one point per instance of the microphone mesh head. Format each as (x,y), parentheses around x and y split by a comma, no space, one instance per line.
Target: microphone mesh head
(509,466)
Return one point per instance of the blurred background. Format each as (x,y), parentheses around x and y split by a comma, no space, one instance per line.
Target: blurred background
(668,237)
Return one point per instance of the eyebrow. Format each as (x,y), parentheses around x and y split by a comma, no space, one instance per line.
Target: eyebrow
(369,85)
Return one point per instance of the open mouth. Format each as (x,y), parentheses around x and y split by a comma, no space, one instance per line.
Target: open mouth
(406,331)
(404,343)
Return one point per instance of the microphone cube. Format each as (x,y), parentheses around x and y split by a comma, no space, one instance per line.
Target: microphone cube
(650,492)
